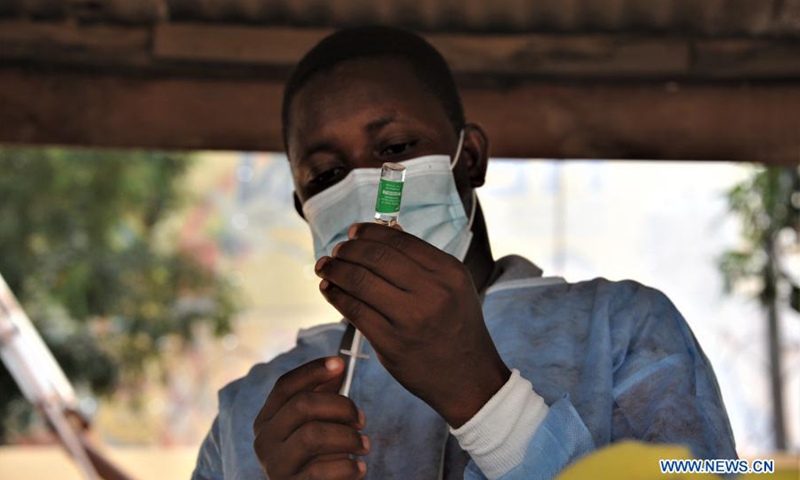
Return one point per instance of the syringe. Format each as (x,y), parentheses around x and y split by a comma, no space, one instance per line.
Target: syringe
(387,210)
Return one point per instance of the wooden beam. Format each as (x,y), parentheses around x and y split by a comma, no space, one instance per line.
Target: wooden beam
(641,120)
(118,111)
(746,18)
(199,50)
(233,44)
(66,43)
(746,58)
(474,55)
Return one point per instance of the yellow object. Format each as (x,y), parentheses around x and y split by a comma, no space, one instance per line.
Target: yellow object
(632,460)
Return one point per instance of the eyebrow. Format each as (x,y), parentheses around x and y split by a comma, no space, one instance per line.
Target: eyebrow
(378,124)
(371,128)
(323,146)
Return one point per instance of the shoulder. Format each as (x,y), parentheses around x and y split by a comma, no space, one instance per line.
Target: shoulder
(643,326)
(522,278)
(644,322)
(626,308)
(628,303)
(624,295)
(612,297)
(614,309)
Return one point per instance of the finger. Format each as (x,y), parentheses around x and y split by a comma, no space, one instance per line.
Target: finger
(281,469)
(384,260)
(340,469)
(332,456)
(415,248)
(315,439)
(364,285)
(365,318)
(308,407)
(333,385)
(303,378)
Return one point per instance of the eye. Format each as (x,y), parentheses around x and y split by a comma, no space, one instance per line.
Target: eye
(327,176)
(398,148)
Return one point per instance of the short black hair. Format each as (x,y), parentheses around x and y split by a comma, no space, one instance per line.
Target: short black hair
(373,41)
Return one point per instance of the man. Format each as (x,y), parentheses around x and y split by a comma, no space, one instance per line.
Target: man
(474,368)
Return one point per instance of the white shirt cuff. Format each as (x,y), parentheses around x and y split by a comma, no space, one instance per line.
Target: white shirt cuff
(498,435)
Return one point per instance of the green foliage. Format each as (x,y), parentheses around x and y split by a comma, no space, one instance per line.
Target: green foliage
(78,246)
(767,203)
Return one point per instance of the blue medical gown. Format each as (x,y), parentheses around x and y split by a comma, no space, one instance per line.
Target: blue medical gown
(613,360)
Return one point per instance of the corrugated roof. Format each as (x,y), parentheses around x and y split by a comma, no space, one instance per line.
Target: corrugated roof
(724,18)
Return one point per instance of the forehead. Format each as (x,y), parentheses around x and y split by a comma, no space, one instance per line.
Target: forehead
(358,91)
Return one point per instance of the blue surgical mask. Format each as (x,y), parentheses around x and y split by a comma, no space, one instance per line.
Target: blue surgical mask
(431,208)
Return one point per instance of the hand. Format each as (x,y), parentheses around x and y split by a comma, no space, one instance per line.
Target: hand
(306,430)
(419,309)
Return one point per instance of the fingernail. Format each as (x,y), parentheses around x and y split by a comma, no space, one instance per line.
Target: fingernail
(323,284)
(336,249)
(351,232)
(365,442)
(362,419)
(362,467)
(332,364)
(320,263)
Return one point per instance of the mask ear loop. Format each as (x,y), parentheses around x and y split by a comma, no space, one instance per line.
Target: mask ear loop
(474,209)
(452,165)
(458,150)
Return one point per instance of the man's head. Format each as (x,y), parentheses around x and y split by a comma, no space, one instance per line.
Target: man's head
(370,95)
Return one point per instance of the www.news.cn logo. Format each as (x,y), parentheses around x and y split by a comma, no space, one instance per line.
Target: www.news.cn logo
(717,465)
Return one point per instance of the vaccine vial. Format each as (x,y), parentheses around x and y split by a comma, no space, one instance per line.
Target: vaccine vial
(390,192)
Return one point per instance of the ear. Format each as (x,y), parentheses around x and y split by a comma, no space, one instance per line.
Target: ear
(298,206)
(476,153)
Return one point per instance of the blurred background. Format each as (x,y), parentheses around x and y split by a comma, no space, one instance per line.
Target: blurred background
(151,236)
(158,278)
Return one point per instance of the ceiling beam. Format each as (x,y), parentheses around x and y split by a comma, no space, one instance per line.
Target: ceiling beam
(198,50)
(631,120)
(192,86)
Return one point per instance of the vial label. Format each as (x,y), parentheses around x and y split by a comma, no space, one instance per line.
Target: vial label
(389,195)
